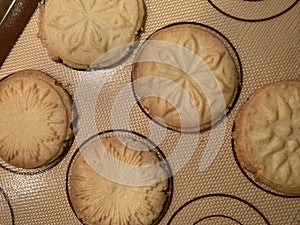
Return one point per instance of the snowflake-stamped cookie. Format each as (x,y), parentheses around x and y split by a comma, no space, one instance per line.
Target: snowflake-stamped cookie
(267,136)
(35,119)
(79,32)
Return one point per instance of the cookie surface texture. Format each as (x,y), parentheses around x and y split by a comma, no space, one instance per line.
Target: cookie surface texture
(185,75)
(35,119)
(100,199)
(267,136)
(79,32)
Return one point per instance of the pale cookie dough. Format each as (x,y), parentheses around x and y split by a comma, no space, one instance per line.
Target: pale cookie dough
(80,31)
(101,200)
(267,136)
(185,76)
(35,119)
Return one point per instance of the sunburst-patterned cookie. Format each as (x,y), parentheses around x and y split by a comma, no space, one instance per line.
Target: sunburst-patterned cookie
(98,191)
(185,75)
(80,31)
(267,136)
(35,119)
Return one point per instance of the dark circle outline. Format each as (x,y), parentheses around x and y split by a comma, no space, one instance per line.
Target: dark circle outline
(239,86)
(170,179)
(221,216)
(253,20)
(55,162)
(256,184)
(9,206)
(218,195)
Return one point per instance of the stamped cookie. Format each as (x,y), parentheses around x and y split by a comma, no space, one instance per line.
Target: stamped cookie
(267,136)
(35,119)
(79,32)
(185,75)
(103,190)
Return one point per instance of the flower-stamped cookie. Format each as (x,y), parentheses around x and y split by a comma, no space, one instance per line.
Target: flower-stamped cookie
(267,136)
(185,76)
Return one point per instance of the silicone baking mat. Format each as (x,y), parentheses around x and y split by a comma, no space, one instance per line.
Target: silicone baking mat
(209,185)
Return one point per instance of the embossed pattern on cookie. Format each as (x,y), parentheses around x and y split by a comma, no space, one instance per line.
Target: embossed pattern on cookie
(35,120)
(98,199)
(267,136)
(79,32)
(185,60)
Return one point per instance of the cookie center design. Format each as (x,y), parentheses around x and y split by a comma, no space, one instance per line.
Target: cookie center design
(27,116)
(120,202)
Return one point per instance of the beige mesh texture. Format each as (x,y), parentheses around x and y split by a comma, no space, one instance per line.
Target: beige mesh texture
(5,211)
(269,51)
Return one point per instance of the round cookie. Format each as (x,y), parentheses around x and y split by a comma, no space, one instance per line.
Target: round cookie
(99,196)
(35,119)
(267,136)
(184,75)
(79,32)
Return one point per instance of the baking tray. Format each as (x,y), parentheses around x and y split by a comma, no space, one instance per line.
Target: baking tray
(265,36)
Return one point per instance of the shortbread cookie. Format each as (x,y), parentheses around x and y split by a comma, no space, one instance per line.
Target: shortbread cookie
(35,119)
(79,32)
(185,75)
(267,136)
(101,197)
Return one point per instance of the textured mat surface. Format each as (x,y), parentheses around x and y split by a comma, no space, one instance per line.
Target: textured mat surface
(265,35)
